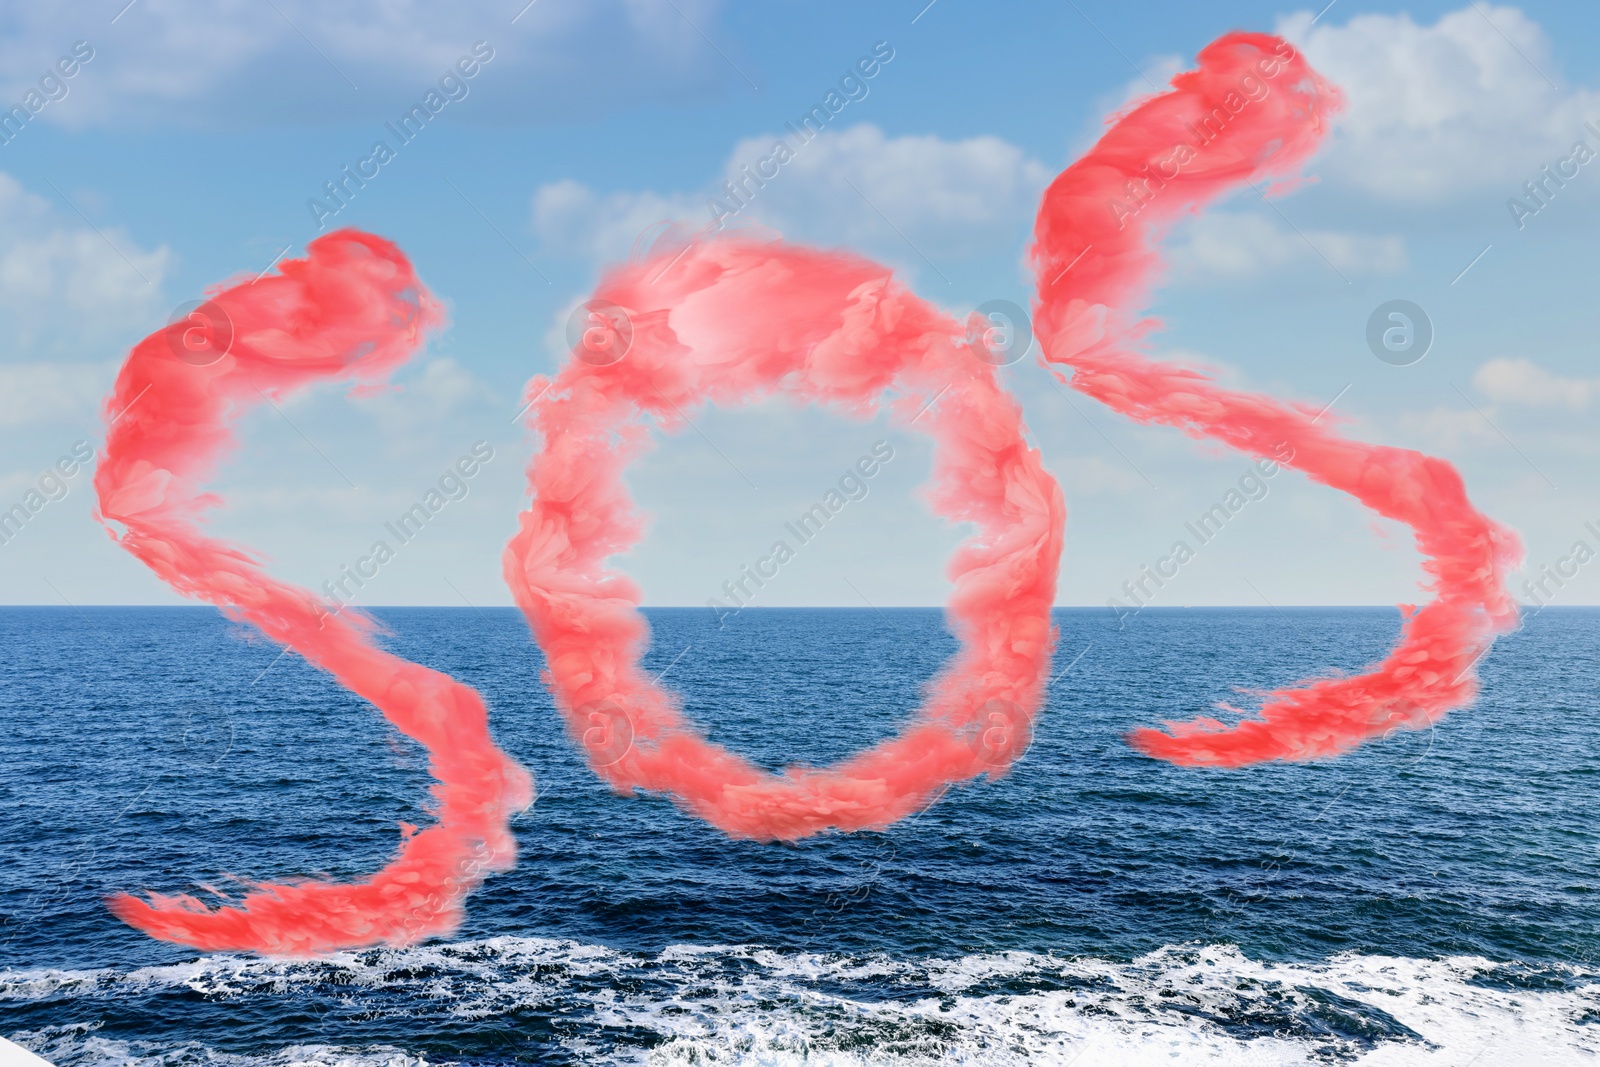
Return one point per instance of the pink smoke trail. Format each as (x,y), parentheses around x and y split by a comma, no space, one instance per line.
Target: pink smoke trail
(727,321)
(351,310)
(1255,110)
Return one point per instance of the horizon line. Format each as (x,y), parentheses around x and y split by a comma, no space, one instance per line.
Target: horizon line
(792,607)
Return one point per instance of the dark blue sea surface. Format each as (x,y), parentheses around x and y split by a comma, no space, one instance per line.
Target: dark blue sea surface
(1427,899)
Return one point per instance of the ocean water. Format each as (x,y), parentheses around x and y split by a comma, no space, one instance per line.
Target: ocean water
(1428,900)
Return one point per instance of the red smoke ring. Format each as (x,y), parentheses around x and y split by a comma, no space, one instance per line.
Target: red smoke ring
(732,320)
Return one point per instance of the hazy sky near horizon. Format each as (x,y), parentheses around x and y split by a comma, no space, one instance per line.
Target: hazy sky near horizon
(190,148)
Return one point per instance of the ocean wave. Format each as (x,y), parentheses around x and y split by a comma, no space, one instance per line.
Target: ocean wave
(715,1005)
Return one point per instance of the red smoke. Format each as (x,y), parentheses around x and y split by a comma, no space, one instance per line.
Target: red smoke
(727,321)
(1254,111)
(352,310)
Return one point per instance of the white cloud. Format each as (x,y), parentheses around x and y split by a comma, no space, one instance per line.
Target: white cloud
(67,290)
(1232,245)
(572,218)
(1442,431)
(1433,110)
(854,186)
(36,394)
(1524,383)
(83,269)
(950,195)
(237,62)
(442,394)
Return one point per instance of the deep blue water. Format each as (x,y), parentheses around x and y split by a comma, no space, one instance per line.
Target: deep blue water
(1427,899)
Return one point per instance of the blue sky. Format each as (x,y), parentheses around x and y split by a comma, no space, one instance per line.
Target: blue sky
(185,151)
